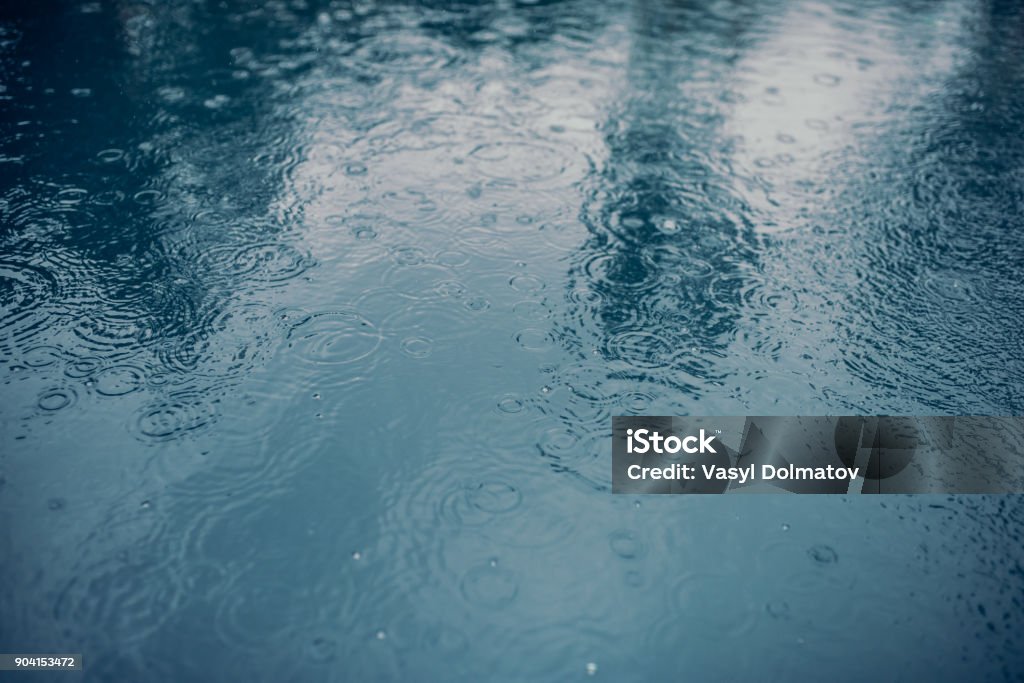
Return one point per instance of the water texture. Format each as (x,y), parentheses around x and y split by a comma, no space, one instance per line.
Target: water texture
(313,317)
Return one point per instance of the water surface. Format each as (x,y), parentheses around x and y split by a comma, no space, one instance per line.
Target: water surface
(313,317)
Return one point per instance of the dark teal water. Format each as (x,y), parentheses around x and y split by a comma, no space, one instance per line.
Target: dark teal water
(313,318)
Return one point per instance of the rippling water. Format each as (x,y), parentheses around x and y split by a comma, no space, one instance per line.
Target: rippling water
(313,318)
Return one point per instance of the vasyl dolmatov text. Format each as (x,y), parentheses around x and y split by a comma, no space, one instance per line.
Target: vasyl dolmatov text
(818,454)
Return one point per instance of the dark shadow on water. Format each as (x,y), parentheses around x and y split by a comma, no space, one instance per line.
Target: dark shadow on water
(655,292)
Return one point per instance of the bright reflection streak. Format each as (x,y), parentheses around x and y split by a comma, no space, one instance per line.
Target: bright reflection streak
(806,95)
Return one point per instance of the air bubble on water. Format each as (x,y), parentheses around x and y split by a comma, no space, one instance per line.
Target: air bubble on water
(145,505)
(493,562)
(510,404)
(785,527)
(381,634)
(591,668)
(357,555)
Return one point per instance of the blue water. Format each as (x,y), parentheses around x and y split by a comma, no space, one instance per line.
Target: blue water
(313,317)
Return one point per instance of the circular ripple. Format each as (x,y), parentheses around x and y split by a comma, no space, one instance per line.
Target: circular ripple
(531,310)
(951,300)
(227,343)
(410,206)
(558,443)
(108,198)
(641,349)
(823,554)
(109,156)
(589,382)
(451,258)
(119,380)
(635,402)
(355,168)
(149,197)
(586,461)
(722,604)
(439,323)
(626,545)
(586,297)
(524,162)
(403,53)
(408,256)
(72,195)
(335,337)
(174,417)
(526,284)
(364,233)
(511,404)
(271,262)
(116,328)
(58,398)
(947,288)
(489,586)
(41,356)
(693,268)
(83,367)
(24,292)
(124,595)
(419,281)
(417,347)
(563,236)
(623,271)
(137,315)
(451,289)
(533,339)
(478,503)
(254,614)
(762,299)
(477,303)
